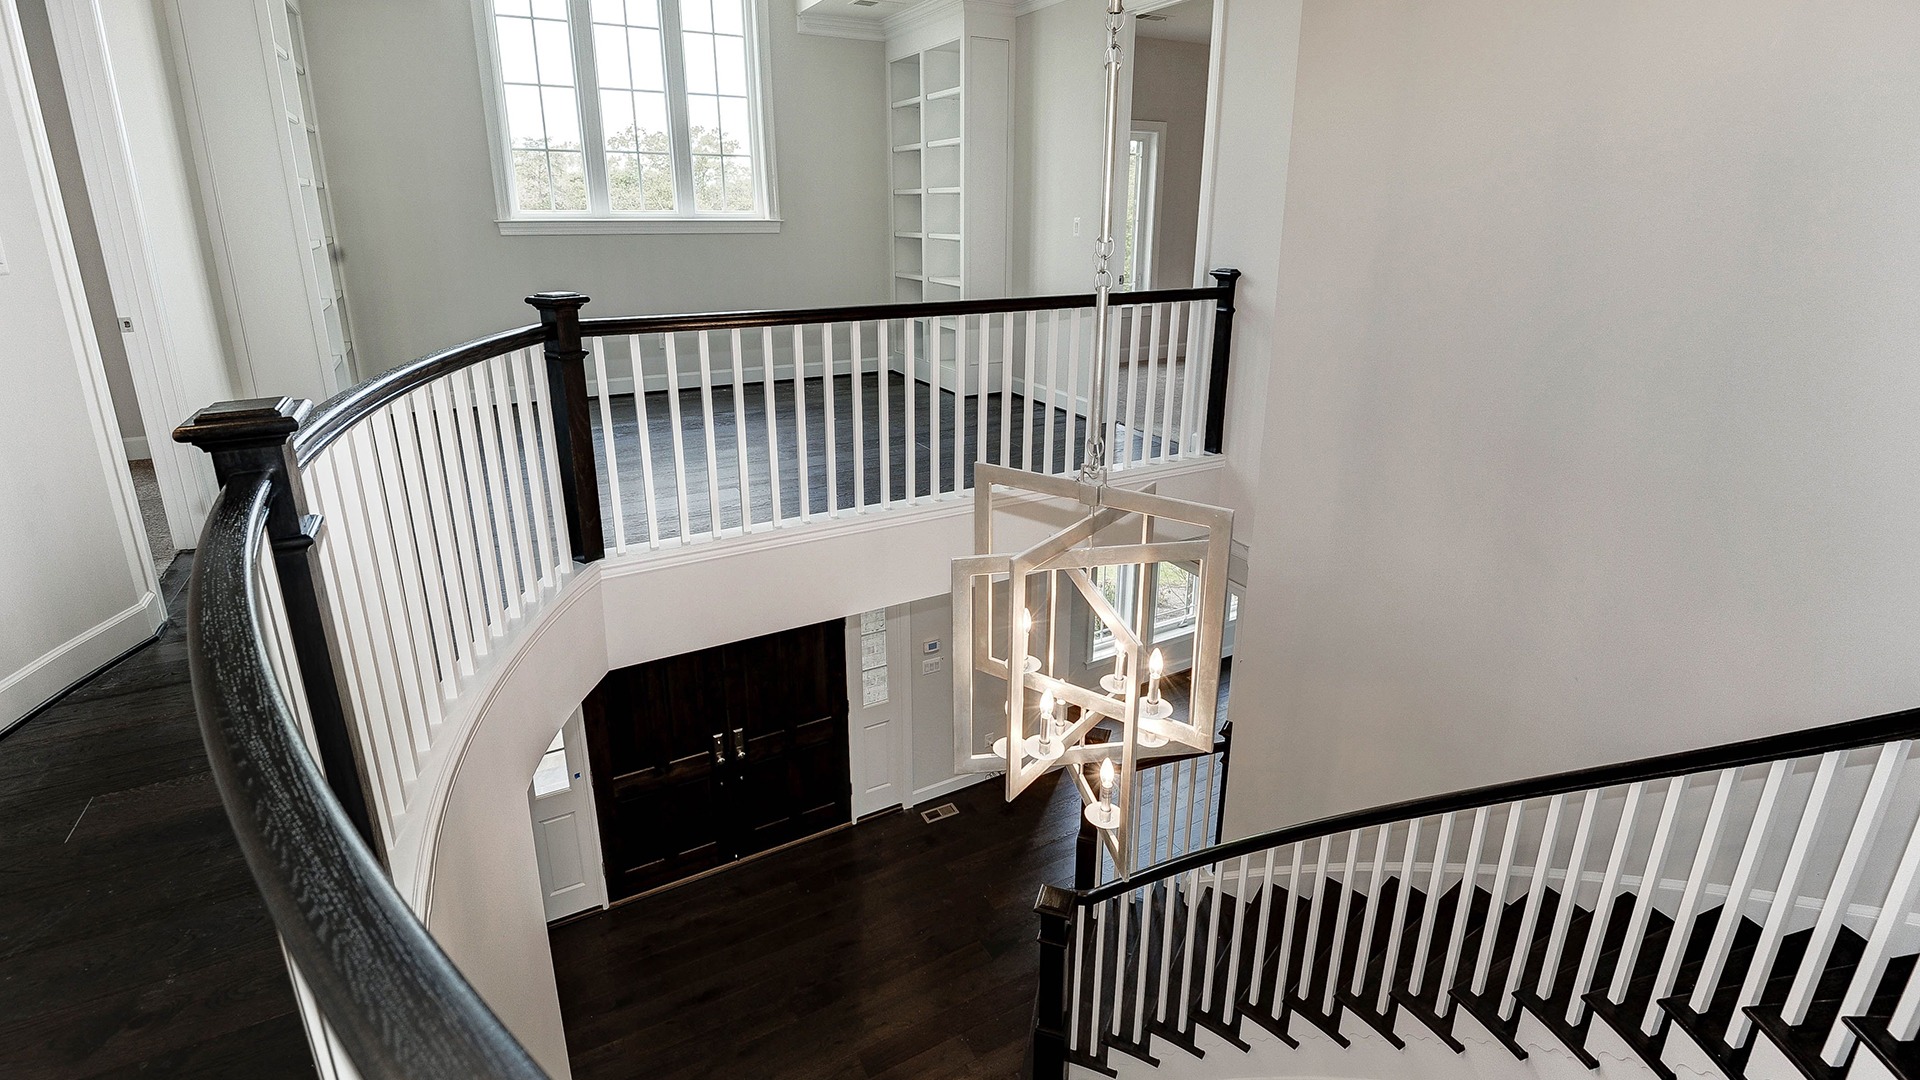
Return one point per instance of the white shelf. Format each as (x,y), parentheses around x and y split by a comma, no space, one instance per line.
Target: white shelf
(955,237)
(910,236)
(935,143)
(951,91)
(905,147)
(915,190)
(913,100)
(955,282)
(933,191)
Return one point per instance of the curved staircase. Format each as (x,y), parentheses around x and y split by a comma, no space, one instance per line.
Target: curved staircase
(1746,912)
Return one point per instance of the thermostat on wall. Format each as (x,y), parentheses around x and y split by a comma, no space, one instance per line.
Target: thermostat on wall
(931,646)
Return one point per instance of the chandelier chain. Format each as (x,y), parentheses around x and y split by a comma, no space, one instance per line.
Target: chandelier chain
(1093,467)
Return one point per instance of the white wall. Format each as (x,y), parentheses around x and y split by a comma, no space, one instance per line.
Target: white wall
(398,89)
(1591,414)
(1170,86)
(74,577)
(1059,101)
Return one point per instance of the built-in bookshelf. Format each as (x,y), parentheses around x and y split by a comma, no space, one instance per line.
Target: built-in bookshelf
(928,131)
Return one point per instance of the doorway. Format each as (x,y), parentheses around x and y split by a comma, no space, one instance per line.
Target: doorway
(1171,63)
(709,757)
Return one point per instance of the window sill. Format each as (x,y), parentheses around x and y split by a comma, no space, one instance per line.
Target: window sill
(586,226)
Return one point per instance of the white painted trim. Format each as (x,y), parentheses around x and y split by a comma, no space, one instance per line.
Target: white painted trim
(67,663)
(614,226)
(1028,7)
(185,478)
(46,675)
(841,26)
(949,786)
(1210,146)
(137,449)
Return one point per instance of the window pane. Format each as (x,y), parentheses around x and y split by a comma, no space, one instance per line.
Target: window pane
(550,9)
(524,125)
(650,117)
(736,136)
(709,191)
(569,182)
(643,13)
(623,182)
(511,7)
(562,113)
(703,123)
(516,50)
(610,56)
(696,15)
(612,12)
(552,775)
(730,58)
(697,50)
(530,189)
(551,41)
(656,181)
(649,73)
(616,120)
(739,180)
(728,18)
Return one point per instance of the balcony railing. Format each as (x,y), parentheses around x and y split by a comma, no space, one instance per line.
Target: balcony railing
(369,562)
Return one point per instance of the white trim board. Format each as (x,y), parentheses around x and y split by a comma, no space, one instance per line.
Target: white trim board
(78,659)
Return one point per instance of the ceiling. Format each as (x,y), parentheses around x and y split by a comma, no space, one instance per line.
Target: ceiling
(1191,21)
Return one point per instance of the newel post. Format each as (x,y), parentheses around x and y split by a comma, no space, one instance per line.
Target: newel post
(1228,281)
(573,424)
(254,436)
(1055,907)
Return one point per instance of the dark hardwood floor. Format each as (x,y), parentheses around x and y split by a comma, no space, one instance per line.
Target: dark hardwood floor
(895,948)
(891,949)
(1068,435)
(132,941)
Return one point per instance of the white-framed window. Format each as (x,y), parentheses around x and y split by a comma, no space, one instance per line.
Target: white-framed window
(628,115)
(1175,597)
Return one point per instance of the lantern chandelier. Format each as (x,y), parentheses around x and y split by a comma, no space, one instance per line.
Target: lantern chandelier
(1025,614)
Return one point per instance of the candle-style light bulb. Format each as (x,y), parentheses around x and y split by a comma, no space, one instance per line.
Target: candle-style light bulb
(1155,665)
(1119,663)
(1046,722)
(1106,781)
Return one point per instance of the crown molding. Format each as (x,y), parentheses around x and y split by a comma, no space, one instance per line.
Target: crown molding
(842,26)
(1028,7)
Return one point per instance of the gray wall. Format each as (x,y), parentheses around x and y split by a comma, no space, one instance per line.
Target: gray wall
(399,105)
(1591,405)
(1170,86)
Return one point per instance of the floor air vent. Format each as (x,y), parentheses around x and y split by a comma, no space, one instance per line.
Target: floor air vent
(939,813)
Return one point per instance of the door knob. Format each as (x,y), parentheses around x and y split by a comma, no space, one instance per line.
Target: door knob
(739,744)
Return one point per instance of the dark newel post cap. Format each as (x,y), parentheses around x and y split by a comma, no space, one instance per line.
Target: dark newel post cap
(1055,901)
(1224,274)
(252,422)
(554,301)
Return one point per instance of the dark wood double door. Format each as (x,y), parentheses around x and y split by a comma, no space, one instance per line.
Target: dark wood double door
(712,756)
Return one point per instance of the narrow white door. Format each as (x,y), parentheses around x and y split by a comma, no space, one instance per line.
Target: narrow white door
(566,835)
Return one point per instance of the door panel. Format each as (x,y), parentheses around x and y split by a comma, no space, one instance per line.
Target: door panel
(718,754)
(564,834)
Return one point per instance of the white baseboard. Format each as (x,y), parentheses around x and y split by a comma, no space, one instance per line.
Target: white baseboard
(947,787)
(40,681)
(136,447)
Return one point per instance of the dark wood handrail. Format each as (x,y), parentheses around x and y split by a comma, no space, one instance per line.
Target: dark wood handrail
(1767,748)
(747,320)
(391,995)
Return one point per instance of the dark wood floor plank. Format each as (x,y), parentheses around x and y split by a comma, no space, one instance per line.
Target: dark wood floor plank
(132,941)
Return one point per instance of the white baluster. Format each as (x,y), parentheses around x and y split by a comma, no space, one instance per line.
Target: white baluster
(1397,917)
(429,424)
(513,474)
(1168,888)
(911,397)
(1102,915)
(1866,825)
(715,526)
(1690,897)
(1644,904)
(888,470)
(598,350)
(1053,374)
(742,472)
(1570,884)
(1213,933)
(1120,960)
(960,355)
(803,456)
(1193,414)
(1603,907)
(1429,915)
(1075,437)
(1894,912)
(858,397)
(461,487)
(1006,389)
(934,333)
(1029,364)
(1340,927)
(1462,911)
(1497,897)
(1152,388)
(1260,930)
(1536,897)
(1905,1024)
(420,554)
(1173,375)
(1125,454)
(1314,908)
(830,391)
(985,389)
(770,399)
(478,474)
(679,437)
(1079,971)
(498,548)
(1141,965)
(1186,957)
(1233,947)
(645,423)
(1739,890)
(374,456)
(544,510)
(1283,964)
(1767,948)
